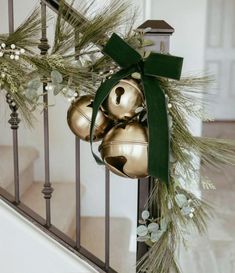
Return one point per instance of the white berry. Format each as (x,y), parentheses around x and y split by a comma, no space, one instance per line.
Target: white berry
(17,52)
(191,215)
(3,75)
(3,45)
(17,57)
(50,88)
(13,46)
(169,105)
(12,57)
(1,53)
(22,50)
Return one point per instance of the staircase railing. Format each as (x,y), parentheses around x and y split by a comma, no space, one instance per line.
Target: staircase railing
(47,191)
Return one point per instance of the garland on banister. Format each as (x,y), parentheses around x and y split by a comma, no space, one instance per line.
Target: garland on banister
(22,68)
(135,102)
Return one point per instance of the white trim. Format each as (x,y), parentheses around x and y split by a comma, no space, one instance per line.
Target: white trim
(147,9)
(29,228)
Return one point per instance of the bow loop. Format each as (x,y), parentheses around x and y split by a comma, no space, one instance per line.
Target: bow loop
(163,65)
(123,54)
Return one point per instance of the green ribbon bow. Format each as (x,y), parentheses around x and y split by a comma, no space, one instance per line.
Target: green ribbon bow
(156,65)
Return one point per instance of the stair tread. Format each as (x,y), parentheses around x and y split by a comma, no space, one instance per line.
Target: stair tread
(93,239)
(92,228)
(26,156)
(62,202)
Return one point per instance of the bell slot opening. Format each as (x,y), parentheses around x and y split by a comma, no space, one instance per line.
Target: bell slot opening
(117,162)
(119,92)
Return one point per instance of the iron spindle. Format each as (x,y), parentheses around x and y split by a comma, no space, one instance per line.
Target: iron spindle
(47,190)
(107,219)
(78,194)
(143,194)
(11,15)
(14,119)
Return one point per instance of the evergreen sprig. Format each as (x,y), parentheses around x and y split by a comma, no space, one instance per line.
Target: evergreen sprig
(79,36)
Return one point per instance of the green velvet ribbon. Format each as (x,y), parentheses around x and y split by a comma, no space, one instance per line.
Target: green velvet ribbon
(156,65)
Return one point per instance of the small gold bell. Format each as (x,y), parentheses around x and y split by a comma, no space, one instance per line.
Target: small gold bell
(124,149)
(79,119)
(123,100)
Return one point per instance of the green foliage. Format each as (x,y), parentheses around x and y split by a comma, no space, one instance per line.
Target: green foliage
(32,89)
(80,36)
(166,206)
(188,99)
(27,34)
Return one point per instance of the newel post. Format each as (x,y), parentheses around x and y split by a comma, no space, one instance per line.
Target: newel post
(159,32)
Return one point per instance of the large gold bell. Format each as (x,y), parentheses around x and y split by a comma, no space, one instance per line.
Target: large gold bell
(79,119)
(123,100)
(124,149)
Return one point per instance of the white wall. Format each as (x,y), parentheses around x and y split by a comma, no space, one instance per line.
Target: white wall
(26,249)
(188,17)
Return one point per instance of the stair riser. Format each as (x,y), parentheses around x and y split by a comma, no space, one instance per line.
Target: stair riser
(26,179)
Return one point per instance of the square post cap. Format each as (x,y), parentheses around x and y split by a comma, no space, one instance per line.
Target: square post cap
(157,27)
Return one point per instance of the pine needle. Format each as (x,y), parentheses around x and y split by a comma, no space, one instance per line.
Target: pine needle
(27,34)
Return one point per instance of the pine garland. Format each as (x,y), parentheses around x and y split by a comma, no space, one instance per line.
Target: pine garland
(22,67)
(187,99)
(82,37)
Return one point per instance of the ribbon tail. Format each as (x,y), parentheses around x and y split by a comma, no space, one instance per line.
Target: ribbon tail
(159,140)
(100,96)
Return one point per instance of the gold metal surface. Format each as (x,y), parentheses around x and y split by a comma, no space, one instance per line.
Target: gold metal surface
(79,119)
(125,150)
(123,100)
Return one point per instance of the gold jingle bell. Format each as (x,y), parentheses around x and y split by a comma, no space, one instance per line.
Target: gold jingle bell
(123,100)
(79,119)
(124,150)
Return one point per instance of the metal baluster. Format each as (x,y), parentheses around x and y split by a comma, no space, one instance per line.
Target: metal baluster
(107,219)
(78,194)
(14,120)
(11,15)
(47,190)
(143,194)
